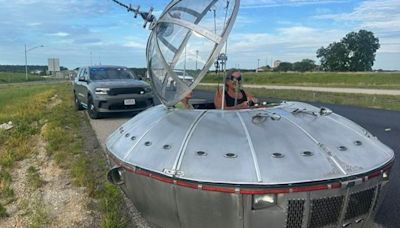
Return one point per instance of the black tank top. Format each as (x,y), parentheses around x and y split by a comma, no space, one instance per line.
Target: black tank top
(230,101)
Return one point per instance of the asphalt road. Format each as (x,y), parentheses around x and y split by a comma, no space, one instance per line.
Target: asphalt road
(381,123)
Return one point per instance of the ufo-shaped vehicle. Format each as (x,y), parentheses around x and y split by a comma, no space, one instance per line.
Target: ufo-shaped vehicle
(289,165)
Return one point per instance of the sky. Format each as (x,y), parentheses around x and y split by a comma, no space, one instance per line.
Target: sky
(100,32)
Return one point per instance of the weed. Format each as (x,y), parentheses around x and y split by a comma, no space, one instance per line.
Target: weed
(3,211)
(33,178)
(6,192)
(38,214)
(111,202)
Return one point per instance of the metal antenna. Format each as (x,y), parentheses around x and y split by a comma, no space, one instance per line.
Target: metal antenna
(148,17)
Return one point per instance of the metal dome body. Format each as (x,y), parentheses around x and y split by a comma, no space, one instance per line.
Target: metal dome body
(291,165)
(208,168)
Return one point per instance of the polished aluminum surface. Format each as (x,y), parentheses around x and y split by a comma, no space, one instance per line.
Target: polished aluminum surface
(230,147)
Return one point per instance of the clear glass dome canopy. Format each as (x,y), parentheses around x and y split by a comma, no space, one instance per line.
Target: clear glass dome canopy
(185,42)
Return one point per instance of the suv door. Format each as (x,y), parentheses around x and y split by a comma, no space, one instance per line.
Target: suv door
(84,85)
(78,85)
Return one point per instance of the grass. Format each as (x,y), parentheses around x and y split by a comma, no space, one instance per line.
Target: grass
(370,101)
(323,79)
(38,214)
(7,77)
(61,127)
(34,179)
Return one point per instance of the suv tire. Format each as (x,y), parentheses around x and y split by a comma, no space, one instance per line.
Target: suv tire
(91,109)
(78,105)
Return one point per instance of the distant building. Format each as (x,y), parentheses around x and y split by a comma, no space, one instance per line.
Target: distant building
(277,63)
(36,72)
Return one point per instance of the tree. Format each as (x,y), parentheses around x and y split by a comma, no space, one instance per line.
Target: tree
(362,46)
(355,52)
(334,57)
(304,65)
(284,66)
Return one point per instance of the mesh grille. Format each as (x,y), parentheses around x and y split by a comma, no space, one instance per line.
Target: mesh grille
(377,197)
(295,213)
(134,90)
(359,203)
(325,211)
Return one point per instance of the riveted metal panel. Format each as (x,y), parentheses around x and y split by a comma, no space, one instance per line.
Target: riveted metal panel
(158,149)
(199,209)
(354,158)
(226,137)
(154,199)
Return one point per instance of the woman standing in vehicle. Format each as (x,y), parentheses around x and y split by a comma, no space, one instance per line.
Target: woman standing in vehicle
(235,96)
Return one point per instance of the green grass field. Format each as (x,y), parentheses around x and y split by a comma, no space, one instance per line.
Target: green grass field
(361,100)
(322,79)
(6,77)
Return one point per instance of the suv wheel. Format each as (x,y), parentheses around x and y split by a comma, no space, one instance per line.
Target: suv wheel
(91,109)
(78,105)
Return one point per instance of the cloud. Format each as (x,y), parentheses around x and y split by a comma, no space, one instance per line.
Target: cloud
(381,17)
(249,4)
(60,34)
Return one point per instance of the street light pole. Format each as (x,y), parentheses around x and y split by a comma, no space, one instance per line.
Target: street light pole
(197,56)
(26,59)
(26,65)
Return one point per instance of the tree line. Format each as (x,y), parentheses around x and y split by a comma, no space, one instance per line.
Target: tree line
(21,68)
(354,52)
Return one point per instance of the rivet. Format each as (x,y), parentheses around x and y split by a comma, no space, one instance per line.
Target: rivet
(127,135)
(167,147)
(307,153)
(201,153)
(277,155)
(148,143)
(358,143)
(342,148)
(133,138)
(231,155)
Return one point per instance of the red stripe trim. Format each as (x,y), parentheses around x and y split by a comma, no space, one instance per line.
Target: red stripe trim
(187,184)
(263,191)
(218,189)
(163,179)
(244,191)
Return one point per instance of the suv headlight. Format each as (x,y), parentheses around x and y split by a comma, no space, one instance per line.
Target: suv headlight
(264,201)
(102,91)
(147,89)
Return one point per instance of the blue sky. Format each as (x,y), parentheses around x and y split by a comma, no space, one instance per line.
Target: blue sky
(287,30)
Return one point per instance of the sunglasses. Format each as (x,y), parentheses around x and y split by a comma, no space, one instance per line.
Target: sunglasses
(232,78)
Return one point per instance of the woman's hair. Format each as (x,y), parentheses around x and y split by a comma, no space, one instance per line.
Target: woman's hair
(230,72)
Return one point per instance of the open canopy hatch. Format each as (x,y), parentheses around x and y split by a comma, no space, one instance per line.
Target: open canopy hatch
(188,36)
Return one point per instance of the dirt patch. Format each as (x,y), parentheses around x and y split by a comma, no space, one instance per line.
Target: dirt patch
(56,203)
(54,101)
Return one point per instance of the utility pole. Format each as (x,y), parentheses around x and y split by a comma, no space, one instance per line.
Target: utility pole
(258,65)
(26,59)
(197,56)
(26,65)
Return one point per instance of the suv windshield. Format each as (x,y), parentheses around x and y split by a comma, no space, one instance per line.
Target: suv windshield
(110,73)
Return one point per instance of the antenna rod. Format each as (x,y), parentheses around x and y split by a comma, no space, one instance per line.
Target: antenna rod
(148,17)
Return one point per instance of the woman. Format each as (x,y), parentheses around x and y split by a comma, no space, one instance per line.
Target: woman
(235,97)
